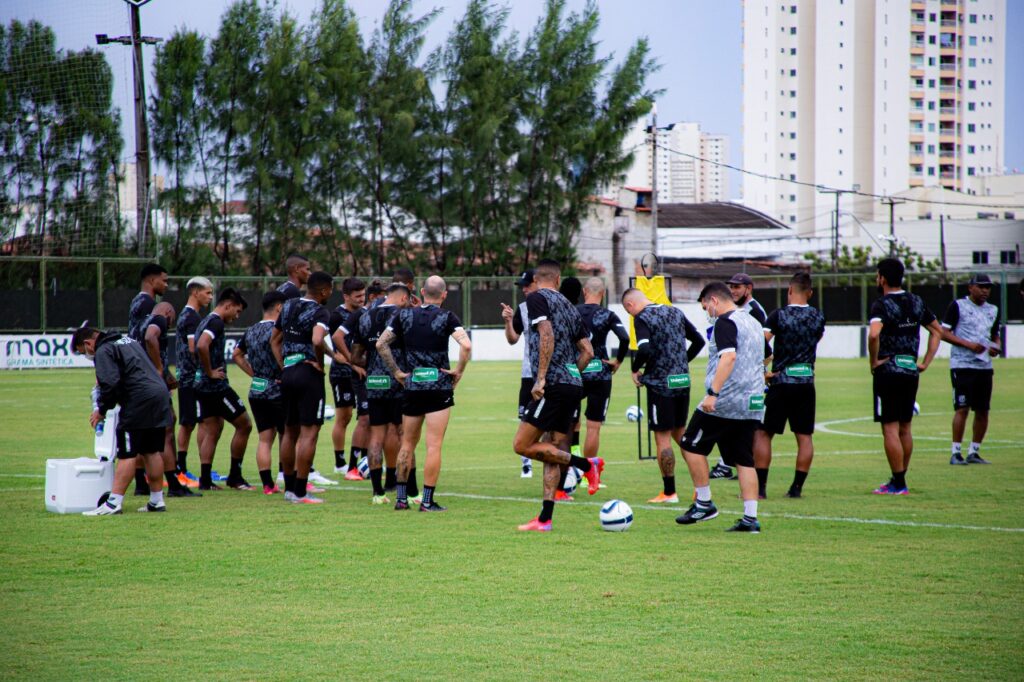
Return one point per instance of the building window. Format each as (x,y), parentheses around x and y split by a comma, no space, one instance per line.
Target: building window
(792,9)
(792,156)
(792,197)
(931,170)
(972,19)
(931,82)
(970,170)
(931,127)
(970,127)
(792,72)
(792,30)
(972,40)
(970,149)
(1009,215)
(971,61)
(792,136)
(931,105)
(792,50)
(979,257)
(970,106)
(931,61)
(931,40)
(972,85)
(792,114)
(931,17)
(1007,257)
(931,149)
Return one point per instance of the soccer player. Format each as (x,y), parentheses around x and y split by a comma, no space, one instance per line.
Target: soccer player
(383,392)
(297,268)
(893,343)
(557,359)
(662,364)
(796,330)
(348,381)
(217,400)
(152,334)
(299,343)
(254,356)
(597,377)
(971,327)
(741,286)
(126,377)
(517,323)
(153,283)
(429,382)
(730,412)
(200,294)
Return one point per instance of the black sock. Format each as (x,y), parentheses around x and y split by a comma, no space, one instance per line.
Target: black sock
(428,494)
(561,479)
(236,469)
(266,478)
(390,477)
(411,485)
(140,477)
(899,479)
(182,461)
(300,486)
(575,437)
(289,483)
(205,473)
(172,480)
(378,488)
(669,484)
(581,463)
(547,510)
(339,459)
(401,495)
(353,459)
(762,481)
(798,479)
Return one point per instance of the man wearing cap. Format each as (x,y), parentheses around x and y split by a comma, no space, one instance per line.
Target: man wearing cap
(741,286)
(971,327)
(517,323)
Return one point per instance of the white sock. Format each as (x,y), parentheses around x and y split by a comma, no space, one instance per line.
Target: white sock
(721,463)
(750,508)
(527,462)
(974,449)
(156,499)
(703,493)
(115,500)
(957,448)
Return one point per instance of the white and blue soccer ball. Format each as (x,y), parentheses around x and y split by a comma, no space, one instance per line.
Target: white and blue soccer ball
(616,515)
(328,412)
(363,465)
(572,480)
(917,408)
(634,413)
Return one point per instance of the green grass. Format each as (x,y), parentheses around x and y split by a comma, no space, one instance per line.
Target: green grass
(238,586)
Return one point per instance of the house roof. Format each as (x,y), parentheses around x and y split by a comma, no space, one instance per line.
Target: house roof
(715,214)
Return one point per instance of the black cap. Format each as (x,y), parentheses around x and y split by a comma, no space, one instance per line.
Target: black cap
(981,279)
(741,278)
(525,279)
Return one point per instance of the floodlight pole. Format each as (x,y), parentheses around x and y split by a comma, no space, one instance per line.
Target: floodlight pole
(891,203)
(835,223)
(654,182)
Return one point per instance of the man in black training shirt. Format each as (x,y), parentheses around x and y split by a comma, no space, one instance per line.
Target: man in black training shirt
(126,377)
(217,400)
(557,361)
(664,359)
(298,274)
(348,381)
(383,392)
(254,356)
(517,324)
(152,334)
(299,342)
(893,343)
(796,330)
(429,382)
(200,294)
(597,376)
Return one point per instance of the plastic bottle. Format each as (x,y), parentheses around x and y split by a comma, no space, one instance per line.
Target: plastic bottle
(96,407)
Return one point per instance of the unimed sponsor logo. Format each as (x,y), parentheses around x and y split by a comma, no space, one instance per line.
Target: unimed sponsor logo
(38,351)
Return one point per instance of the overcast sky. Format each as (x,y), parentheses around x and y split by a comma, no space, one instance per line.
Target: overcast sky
(698,43)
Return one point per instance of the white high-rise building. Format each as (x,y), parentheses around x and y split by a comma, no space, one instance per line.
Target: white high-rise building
(884,94)
(682,178)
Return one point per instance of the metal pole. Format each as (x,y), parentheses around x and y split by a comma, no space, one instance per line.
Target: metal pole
(42,296)
(942,240)
(891,203)
(654,182)
(142,227)
(835,238)
(99,294)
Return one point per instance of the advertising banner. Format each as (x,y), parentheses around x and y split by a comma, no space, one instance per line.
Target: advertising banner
(38,351)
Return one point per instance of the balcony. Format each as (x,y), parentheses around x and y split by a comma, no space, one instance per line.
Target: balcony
(947,110)
(946,154)
(917,136)
(917,71)
(947,175)
(916,115)
(949,89)
(949,22)
(917,49)
(947,67)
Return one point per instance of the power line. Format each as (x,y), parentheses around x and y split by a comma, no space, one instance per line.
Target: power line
(765,176)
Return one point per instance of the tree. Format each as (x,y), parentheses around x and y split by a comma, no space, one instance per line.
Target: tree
(864,259)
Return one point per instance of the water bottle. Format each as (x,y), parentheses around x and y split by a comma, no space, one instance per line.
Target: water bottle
(96,407)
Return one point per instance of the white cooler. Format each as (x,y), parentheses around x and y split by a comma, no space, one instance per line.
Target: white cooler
(77,485)
(106,444)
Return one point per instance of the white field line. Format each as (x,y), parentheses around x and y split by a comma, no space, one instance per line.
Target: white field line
(825,427)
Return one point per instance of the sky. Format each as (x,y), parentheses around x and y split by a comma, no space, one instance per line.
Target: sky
(697,42)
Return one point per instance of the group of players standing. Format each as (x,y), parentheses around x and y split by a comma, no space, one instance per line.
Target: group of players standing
(389,366)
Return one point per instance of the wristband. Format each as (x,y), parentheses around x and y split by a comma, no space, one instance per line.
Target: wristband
(713,393)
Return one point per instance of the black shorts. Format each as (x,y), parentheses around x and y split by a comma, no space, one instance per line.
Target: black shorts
(597,394)
(344,392)
(419,403)
(384,411)
(187,408)
(972,388)
(734,438)
(525,398)
(134,442)
(302,391)
(362,401)
(556,409)
(268,414)
(667,413)
(894,397)
(793,403)
(225,404)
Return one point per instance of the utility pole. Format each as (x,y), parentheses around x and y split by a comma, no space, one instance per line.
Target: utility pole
(942,240)
(654,181)
(891,203)
(143,229)
(835,222)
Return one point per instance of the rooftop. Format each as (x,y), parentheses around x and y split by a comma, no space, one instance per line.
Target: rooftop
(715,214)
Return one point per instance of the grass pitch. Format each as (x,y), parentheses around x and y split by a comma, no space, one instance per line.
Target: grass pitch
(841,584)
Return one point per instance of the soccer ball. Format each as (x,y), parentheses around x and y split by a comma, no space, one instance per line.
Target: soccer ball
(364,467)
(328,412)
(917,408)
(572,480)
(616,515)
(634,413)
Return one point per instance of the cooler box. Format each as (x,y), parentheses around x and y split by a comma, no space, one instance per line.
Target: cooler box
(106,444)
(77,485)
